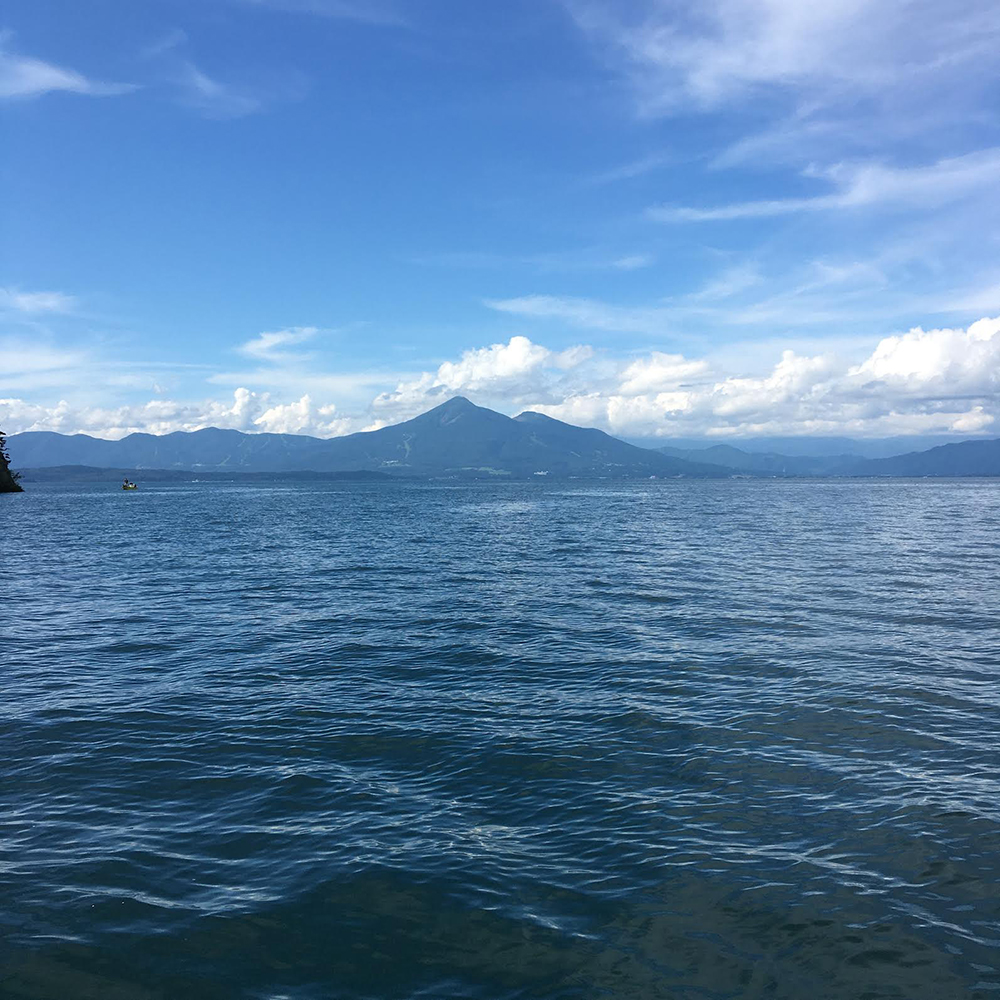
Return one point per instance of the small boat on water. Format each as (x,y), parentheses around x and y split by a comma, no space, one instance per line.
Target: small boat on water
(129,486)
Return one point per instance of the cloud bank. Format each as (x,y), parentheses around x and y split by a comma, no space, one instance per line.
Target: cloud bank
(246,411)
(923,381)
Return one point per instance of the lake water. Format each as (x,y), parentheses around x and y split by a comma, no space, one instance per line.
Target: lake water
(660,740)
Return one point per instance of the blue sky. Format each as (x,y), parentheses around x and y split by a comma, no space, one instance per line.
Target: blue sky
(723,218)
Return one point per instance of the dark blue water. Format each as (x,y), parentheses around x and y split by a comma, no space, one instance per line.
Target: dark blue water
(666,740)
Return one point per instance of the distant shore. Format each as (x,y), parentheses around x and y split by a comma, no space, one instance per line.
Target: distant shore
(96,474)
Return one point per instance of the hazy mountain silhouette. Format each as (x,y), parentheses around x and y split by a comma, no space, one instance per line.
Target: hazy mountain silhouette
(765,463)
(963,458)
(801,446)
(966,458)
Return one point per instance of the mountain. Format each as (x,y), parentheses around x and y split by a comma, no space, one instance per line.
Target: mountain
(810,447)
(571,450)
(456,438)
(764,463)
(208,448)
(966,458)
(459,439)
(963,458)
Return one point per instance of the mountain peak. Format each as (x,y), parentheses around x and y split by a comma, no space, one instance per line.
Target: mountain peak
(454,405)
(457,408)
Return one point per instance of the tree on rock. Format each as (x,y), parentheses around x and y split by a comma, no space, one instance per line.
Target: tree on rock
(8,480)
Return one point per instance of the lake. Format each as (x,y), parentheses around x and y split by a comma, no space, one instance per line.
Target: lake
(671,739)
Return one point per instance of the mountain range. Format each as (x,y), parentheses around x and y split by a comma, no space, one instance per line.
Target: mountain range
(455,439)
(458,439)
(963,458)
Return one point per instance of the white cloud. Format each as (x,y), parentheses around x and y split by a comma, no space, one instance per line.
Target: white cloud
(923,381)
(291,373)
(26,77)
(159,416)
(373,12)
(731,281)
(245,411)
(586,313)
(213,98)
(634,168)
(864,185)
(873,91)
(659,371)
(632,262)
(356,386)
(500,371)
(81,370)
(268,346)
(210,96)
(963,362)
(33,364)
(303,417)
(165,43)
(840,293)
(676,53)
(919,382)
(587,259)
(36,302)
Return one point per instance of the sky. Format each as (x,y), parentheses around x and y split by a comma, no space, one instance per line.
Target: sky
(716,218)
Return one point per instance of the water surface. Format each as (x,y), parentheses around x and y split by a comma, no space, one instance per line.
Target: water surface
(661,740)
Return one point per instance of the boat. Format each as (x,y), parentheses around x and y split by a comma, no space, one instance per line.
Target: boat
(129,486)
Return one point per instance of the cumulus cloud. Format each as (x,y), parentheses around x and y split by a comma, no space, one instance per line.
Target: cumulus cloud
(957,361)
(244,411)
(25,77)
(500,371)
(303,417)
(159,416)
(940,380)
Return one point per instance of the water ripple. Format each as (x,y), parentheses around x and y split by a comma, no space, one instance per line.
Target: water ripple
(682,739)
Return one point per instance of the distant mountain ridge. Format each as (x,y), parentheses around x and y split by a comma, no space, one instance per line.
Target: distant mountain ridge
(820,446)
(763,463)
(963,458)
(456,439)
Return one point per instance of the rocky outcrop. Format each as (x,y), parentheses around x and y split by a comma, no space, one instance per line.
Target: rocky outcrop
(8,479)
